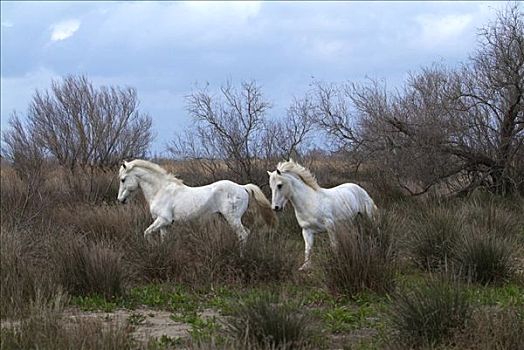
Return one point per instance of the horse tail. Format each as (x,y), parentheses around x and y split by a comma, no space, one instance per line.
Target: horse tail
(264,206)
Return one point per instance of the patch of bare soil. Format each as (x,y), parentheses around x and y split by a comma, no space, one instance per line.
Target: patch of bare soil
(147,323)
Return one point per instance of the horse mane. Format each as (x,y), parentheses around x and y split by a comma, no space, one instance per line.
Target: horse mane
(155,168)
(304,174)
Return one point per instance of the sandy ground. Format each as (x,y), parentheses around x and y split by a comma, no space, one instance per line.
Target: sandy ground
(147,323)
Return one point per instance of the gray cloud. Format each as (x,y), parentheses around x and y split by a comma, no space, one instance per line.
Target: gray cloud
(164,48)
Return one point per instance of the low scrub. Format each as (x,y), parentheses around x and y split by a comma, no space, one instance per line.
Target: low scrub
(45,328)
(497,217)
(155,261)
(268,322)
(493,329)
(266,257)
(485,258)
(88,268)
(429,314)
(433,237)
(364,258)
(24,274)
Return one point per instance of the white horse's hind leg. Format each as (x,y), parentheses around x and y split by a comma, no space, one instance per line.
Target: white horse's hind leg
(240,230)
(308,241)
(159,223)
(332,238)
(162,234)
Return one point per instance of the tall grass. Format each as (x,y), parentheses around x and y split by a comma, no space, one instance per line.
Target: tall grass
(434,233)
(364,258)
(46,328)
(272,323)
(493,329)
(485,258)
(25,274)
(429,314)
(88,268)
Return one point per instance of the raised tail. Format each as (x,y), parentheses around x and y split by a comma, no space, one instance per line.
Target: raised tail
(264,207)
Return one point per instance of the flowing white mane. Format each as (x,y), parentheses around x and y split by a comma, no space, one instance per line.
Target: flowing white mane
(297,169)
(155,168)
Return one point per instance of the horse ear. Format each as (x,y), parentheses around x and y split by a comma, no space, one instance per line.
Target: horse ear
(278,172)
(269,173)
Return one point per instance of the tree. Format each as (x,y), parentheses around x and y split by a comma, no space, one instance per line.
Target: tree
(231,129)
(80,125)
(461,128)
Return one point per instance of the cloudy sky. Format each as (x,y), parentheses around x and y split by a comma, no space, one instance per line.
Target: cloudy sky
(167,49)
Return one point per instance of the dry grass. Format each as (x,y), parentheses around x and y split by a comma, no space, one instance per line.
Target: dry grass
(45,328)
(434,233)
(86,244)
(493,328)
(25,274)
(429,314)
(89,268)
(268,322)
(364,259)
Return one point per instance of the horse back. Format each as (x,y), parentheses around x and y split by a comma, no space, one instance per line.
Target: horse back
(353,198)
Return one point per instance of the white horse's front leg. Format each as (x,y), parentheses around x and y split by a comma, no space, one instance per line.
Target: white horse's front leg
(159,223)
(308,241)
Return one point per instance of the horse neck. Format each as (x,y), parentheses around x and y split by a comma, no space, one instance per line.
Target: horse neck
(150,183)
(301,195)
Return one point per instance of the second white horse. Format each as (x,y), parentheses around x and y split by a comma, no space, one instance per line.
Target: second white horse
(317,209)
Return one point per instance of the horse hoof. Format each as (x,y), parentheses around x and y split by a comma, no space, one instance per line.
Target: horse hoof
(305,268)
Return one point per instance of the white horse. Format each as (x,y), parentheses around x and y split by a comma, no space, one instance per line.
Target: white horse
(317,209)
(170,200)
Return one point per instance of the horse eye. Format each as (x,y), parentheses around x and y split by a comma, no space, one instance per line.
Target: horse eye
(123,180)
(279,186)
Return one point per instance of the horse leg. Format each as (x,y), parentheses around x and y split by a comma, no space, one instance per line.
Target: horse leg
(333,241)
(240,230)
(162,234)
(308,241)
(159,223)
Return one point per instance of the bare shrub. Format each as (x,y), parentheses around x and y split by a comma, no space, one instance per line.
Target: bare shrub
(232,136)
(429,314)
(88,268)
(364,258)
(77,126)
